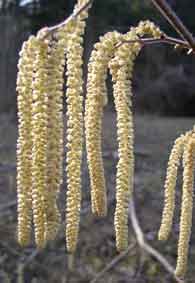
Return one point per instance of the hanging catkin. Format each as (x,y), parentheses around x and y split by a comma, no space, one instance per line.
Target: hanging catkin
(170,183)
(121,67)
(186,209)
(24,143)
(55,70)
(183,147)
(74,145)
(125,167)
(96,96)
(39,134)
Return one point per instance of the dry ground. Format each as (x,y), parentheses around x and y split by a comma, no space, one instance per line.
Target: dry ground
(96,248)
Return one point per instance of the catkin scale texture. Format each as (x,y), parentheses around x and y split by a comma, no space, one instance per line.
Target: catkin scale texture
(39,150)
(121,67)
(184,147)
(170,183)
(24,143)
(96,96)
(74,144)
(55,69)
(186,209)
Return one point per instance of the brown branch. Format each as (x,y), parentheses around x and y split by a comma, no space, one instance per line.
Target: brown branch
(145,246)
(112,263)
(164,39)
(51,30)
(167,12)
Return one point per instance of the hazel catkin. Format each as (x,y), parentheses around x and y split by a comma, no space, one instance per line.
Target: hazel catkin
(39,150)
(121,67)
(24,143)
(170,183)
(55,70)
(74,144)
(95,101)
(186,209)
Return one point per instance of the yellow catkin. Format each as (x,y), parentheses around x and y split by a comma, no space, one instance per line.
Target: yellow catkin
(121,67)
(125,167)
(55,70)
(74,145)
(39,134)
(187,206)
(96,94)
(24,143)
(170,183)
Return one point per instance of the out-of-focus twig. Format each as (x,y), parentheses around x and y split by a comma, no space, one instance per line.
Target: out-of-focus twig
(112,263)
(145,246)
(8,205)
(165,9)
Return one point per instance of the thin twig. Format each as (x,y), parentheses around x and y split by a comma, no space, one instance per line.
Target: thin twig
(51,30)
(8,205)
(168,13)
(164,39)
(27,260)
(145,246)
(112,263)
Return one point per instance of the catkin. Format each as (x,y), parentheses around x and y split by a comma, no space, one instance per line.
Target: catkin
(187,206)
(39,134)
(55,70)
(95,101)
(121,67)
(170,183)
(74,145)
(24,143)
(125,166)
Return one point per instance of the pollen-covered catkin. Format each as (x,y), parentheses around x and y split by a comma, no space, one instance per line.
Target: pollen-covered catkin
(39,134)
(186,209)
(74,145)
(170,183)
(125,167)
(121,67)
(95,101)
(55,70)
(24,143)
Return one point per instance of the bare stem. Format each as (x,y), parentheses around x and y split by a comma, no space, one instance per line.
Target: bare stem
(112,264)
(175,21)
(48,31)
(164,39)
(145,246)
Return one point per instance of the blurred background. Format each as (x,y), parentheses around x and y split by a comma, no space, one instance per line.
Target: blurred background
(164,103)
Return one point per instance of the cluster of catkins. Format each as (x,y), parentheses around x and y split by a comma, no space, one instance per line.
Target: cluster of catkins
(40,86)
(184,148)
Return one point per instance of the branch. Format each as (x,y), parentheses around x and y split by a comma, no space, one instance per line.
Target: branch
(51,30)
(145,246)
(164,39)
(175,21)
(112,263)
